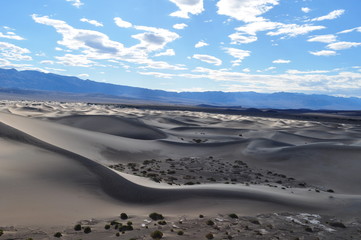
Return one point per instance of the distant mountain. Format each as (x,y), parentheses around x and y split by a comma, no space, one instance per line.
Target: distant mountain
(34,80)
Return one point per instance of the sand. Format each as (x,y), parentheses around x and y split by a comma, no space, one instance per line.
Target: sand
(64,162)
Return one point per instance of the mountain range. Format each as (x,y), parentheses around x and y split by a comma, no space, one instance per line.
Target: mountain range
(31,82)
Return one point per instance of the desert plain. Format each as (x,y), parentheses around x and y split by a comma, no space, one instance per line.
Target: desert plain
(68,167)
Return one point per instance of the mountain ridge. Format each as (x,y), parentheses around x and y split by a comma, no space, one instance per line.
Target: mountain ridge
(35,80)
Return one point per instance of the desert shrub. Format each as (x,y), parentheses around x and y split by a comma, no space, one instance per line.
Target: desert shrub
(87,230)
(114,223)
(156,216)
(77,227)
(117,234)
(124,228)
(129,223)
(162,222)
(123,216)
(209,236)
(1,232)
(233,215)
(180,232)
(201,216)
(107,226)
(210,223)
(58,235)
(156,234)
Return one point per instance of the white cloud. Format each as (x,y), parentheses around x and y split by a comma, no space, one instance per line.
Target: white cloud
(75,60)
(329,38)
(239,38)
(201,44)
(342,45)
(305,9)
(180,26)
(245,10)
(307,72)
(76,3)
(11,35)
(358,29)
(208,59)
(47,62)
(323,53)
(281,61)
(246,70)
(92,22)
(332,15)
(254,27)
(293,30)
(239,54)
(160,65)
(157,74)
(83,75)
(121,23)
(14,53)
(187,7)
(168,52)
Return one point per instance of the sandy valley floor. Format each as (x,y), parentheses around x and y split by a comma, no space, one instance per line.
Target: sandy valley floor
(63,164)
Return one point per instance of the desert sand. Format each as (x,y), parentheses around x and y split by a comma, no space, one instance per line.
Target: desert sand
(67,163)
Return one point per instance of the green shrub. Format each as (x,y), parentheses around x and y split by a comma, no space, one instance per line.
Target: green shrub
(58,235)
(201,216)
(156,216)
(87,230)
(117,234)
(210,223)
(129,223)
(180,232)
(77,227)
(123,216)
(162,222)
(1,232)
(156,234)
(107,226)
(209,236)
(233,215)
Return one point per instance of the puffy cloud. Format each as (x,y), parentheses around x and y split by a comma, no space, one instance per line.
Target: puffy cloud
(76,3)
(239,54)
(293,30)
(208,59)
(168,52)
(239,38)
(15,53)
(254,27)
(187,7)
(157,74)
(306,9)
(323,53)
(92,22)
(201,44)
(121,23)
(47,62)
(180,26)
(11,35)
(245,10)
(329,38)
(343,45)
(306,72)
(358,29)
(75,60)
(281,61)
(332,15)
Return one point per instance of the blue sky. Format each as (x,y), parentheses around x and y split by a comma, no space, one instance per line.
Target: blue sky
(308,46)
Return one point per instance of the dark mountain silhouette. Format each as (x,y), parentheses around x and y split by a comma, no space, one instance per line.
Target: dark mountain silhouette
(34,80)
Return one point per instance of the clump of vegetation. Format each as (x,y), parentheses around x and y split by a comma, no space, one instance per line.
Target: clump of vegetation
(209,236)
(107,226)
(156,216)
(129,223)
(58,235)
(124,228)
(201,216)
(77,227)
(87,230)
(156,234)
(123,216)
(1,232)
(162,222)
(233,215)
(180,232)
(117,234)
(210,223)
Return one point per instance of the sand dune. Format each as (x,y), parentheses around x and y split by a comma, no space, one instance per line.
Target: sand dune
(55,162)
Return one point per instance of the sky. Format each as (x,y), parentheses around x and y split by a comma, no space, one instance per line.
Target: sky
(304,46)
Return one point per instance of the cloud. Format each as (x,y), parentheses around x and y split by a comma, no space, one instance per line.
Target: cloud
(208,59)
(332,15)
(168,52)
(47,62)
(121,23)
(358,29)
(239,38)
(307,72)
(342,45)
(11,35)
(281,61)
(14,53)
(83,75)
(92,22)
(329,38)
(254,27)
(323,53)
(239,54)
(157,74)
(305,9)
(160,65)
(201,44)
(76,3)
(180,26)
(75,60)
(245,10)
(293,30)
(187,7)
